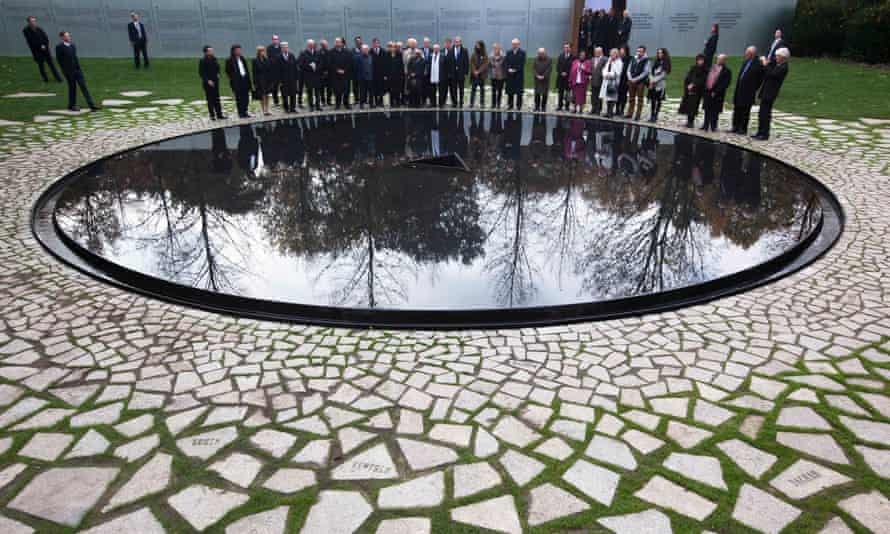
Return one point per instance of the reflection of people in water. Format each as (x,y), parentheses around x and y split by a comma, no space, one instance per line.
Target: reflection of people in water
(248,150)
(574,143)
(222,159)
(648,154)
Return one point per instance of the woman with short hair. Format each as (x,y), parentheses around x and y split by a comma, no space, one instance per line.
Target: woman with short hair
(498,74)
(263,78)
(612,73)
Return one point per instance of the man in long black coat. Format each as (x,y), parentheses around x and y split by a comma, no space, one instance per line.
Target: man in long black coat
(718,80)
(340,64)
(239,80)
(274,52)
(138,39)
(774,75)
(66,55)
(514,64)
(378,65)
(458,77)
(563,70)
(288,70)
(38,42)
(208,70)
(310,70)
(746,87)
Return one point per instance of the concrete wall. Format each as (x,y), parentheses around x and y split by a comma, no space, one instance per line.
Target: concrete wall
(179,28)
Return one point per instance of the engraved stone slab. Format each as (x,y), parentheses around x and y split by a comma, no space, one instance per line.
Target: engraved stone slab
(372,464)
(805,478)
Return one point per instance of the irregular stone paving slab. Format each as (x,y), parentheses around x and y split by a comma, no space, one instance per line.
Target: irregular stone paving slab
(548,502)
(555,448)
(100,416)
(237,468)
(836,526)
(648,522)
(274,442)
(152,477)
(272,521)
(596,482)
(136,449)
(802,417)
(821,446)
(521,468)
(372,464)
(11,526)
(515,432)
(804,478)
(46,446)
(290,480)
(498,514)
(315,452)
(406,525)
(64,494)
(750,459)
(641,441)
(871,431)
(877,459)
(26,94)
(422,455)
(685,435)
(207,444)
(203,506)
(704,469)
(611,451)
(760,510)
(872,510)
(135,94)
(10,472)
(458,435)
(470,479)
(142,521)
(423,492)
(135,426)
(662,492)
(353,438)
(337,512)
(22,409)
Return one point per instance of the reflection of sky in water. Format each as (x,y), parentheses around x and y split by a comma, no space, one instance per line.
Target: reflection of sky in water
(571,245)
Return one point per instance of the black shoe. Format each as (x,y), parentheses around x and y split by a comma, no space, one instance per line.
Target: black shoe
(213,117)
(222,117)
(760,137)
(75,108)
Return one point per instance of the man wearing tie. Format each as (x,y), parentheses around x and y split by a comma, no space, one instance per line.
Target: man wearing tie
(310,70)
(778,43)
(340,70)
(515,66)
(239,79)
(459,75)
(138,39)
(274,53)
(66,55)
(746,87)
(288,73)
(435,75)
(38,42)
(356,57)
(379,67)
(563,68)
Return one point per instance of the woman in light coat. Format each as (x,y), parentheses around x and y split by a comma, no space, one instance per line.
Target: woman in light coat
(498,74)
(661,67)
(611,78)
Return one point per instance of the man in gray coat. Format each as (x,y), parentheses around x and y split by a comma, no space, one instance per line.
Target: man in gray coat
(542,68)
(597,62)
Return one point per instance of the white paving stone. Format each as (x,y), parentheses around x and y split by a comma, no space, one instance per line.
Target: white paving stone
(611,451)
(142,521)
(421,456)
(207,444)
(274,442)
(337,512)
(290,480)
(422,492)
(203,506)
(750,459)
(596,482)
(470,479)
(704,469)
(662,492)
(548,502)
(498,514)
(872,510)
(761,511)
(64,494)
(521,468)
(153,477)
(405,525)
(372,464)
(647,522)
(46,446)
(805,478)
(271,521)
(240,469)
(821,446)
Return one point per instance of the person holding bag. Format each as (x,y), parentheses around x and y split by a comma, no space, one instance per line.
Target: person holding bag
(612,73)
(693,88)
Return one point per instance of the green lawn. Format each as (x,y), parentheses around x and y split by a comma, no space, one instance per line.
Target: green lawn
(816,87)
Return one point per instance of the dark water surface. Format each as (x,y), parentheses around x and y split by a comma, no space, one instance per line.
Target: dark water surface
(330,211)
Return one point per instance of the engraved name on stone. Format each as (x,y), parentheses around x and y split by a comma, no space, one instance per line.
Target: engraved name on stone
(365,467)
(804,478)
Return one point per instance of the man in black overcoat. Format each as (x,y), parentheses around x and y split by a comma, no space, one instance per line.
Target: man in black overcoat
(746,87)
(66,55)
(208,70)
(378,64)
(514,64)
(340,62)
(458,78)
(310,71)
(774,75)
(38,42)
(288,70)
(563,69)
(239,80)
(274,52)
(716,85)
(138,39)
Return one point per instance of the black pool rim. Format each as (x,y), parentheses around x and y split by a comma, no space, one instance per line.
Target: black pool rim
(810,249)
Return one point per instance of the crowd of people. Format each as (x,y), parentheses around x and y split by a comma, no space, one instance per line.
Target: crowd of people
(426,74)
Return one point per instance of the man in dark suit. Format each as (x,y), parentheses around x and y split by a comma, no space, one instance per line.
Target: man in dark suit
(778,42)
(378,62)
(208,70)
(448,74)
(274,52)
(138,39)
(436,79)
(624,27)
(288,74)
(310,71)
(356,56)
(773,76)
(365,77)
(563,69)
(719,78)
(66,55)
(340,72)
(514,64)
(239,79)
(458,76)
(38,42)
(610,29)
(327,92)
(746,86)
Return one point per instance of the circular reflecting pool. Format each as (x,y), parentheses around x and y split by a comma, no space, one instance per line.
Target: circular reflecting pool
(439,219)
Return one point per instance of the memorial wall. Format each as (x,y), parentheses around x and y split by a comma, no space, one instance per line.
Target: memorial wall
(178,28)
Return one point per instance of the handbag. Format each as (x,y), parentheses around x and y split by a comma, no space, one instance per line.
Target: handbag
(611,89)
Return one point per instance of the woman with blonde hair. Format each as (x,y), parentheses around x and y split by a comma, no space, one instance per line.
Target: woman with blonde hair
(498,74)
(263,78)
(611,80)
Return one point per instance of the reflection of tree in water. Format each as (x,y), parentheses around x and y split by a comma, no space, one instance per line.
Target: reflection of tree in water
(88,213)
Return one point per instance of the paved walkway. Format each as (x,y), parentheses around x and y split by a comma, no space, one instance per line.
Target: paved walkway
(757,413)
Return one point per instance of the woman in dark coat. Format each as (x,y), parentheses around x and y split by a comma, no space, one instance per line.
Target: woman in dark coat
(263,78)
(711,45)
(394,76)
(693,88)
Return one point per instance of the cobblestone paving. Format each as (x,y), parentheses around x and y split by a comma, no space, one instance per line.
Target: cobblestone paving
(765,412)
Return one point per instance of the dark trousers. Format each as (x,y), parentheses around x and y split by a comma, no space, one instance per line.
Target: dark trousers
(76,79)
(741,116)
(214,107)
(356,92)
(242,98)
(477,83)
(622,99)
(497,92)
(275,84)
(514,97)
(396,97)
(433,92)
(765,117)
(596,103)
(456,89)
(313,97)
(541,100)
(712,114)
(365,92)
(289,96)
(48,59)
(327,92)
(140,47)
(377,89)
(300,93)
(563,97)
(341,98)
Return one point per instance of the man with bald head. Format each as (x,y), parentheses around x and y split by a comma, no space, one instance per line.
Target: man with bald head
(716,84)
(542,68)
(746,87)
(514,65)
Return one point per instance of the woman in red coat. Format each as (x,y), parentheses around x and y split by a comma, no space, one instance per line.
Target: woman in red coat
(579,78)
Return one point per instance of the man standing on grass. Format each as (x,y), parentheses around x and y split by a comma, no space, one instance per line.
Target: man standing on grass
(38,42)
(66,55)
(138,39)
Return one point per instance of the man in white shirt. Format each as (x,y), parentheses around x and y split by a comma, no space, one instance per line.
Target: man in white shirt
(436,63)
(778,43)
